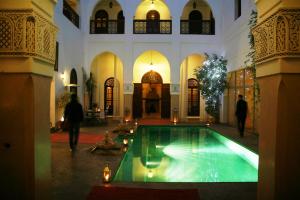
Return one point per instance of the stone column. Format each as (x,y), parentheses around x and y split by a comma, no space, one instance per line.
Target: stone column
(27,53)
(277,45)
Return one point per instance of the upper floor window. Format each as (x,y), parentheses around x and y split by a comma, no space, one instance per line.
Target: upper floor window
(237,8)
(152,17)
(70,8)
(107,18)
(197,18)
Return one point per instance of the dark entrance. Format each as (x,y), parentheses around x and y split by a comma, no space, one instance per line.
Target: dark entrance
(121,20)
(153,18)
(101,20)
(195,22)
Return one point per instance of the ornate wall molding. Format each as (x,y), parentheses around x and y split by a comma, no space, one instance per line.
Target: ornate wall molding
(26,33)
(278,36)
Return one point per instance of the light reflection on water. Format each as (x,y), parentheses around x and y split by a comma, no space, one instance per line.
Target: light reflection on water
(184,154)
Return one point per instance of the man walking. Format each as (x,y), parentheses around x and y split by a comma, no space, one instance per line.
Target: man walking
(73,115)
(241,114)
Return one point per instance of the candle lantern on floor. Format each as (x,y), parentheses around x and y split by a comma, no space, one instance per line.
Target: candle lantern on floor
(175,115)
(131,131)
(106,174)
(125,141)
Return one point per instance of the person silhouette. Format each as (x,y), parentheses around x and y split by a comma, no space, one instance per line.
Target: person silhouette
(73,115)
(241,114)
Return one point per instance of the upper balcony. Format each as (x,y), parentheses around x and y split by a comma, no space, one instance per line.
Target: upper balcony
(69,8)
(152,26)
(152,17)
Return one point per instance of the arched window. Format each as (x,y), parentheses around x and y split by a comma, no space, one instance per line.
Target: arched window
(195,22)
(121,21)
(153,22)
(73,81)
(108,95)
(101,18)
(193,97)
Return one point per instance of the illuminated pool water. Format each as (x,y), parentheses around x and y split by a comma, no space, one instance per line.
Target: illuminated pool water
(185,154)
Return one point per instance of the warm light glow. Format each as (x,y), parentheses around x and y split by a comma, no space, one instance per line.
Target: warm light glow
(126,121)
(160,64)
(125,141)
(152,4)
(62,119)
(106,174)
(150,173)
(131,131)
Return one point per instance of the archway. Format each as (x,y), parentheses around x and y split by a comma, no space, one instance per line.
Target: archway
(191,103)
(107,71)
(151,77)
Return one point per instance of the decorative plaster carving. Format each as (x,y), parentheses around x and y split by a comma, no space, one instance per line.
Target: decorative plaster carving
(26,33)
(278,36)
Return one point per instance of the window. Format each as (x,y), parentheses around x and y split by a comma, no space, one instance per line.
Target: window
(238,8)
(56,57)
(193,97)
(108,96)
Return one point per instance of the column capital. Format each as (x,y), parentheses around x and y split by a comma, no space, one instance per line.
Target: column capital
(277,37)
(25,33)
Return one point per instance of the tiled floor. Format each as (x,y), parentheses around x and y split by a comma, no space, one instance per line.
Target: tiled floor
(74,173)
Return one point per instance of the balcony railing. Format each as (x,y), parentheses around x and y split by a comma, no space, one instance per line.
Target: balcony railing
(201,27)
(70,14)
(107,27)
(152,26)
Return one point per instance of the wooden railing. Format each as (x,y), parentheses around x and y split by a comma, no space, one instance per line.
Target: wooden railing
(152,26)
(107,27)
(70,14)
(201,27)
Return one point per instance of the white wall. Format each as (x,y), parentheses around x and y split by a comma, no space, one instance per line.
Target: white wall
(235,33)
(71,54)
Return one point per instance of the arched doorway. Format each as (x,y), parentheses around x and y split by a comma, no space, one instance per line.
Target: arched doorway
(151,98)
(195,22)
(151,94)
(153,18)
(121,19)
(73,81)
(193,97)
(108,96)
(101,18)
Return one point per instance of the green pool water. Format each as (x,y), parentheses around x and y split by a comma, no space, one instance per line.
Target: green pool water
(185,154)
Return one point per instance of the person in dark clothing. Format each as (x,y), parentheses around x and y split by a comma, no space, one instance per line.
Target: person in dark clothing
(241,114)
(73,115)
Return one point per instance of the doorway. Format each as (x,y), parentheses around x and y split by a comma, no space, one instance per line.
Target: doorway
(195,22)
(101,18)
(153,18)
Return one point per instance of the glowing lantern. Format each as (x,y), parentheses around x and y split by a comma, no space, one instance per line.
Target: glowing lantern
(150,174)
(106,174)
(62,119)
(125,141)
(131,131)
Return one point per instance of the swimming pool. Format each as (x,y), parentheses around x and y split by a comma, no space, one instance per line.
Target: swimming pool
(185,154)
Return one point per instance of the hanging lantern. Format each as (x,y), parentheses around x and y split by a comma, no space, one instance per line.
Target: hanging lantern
(106,174)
